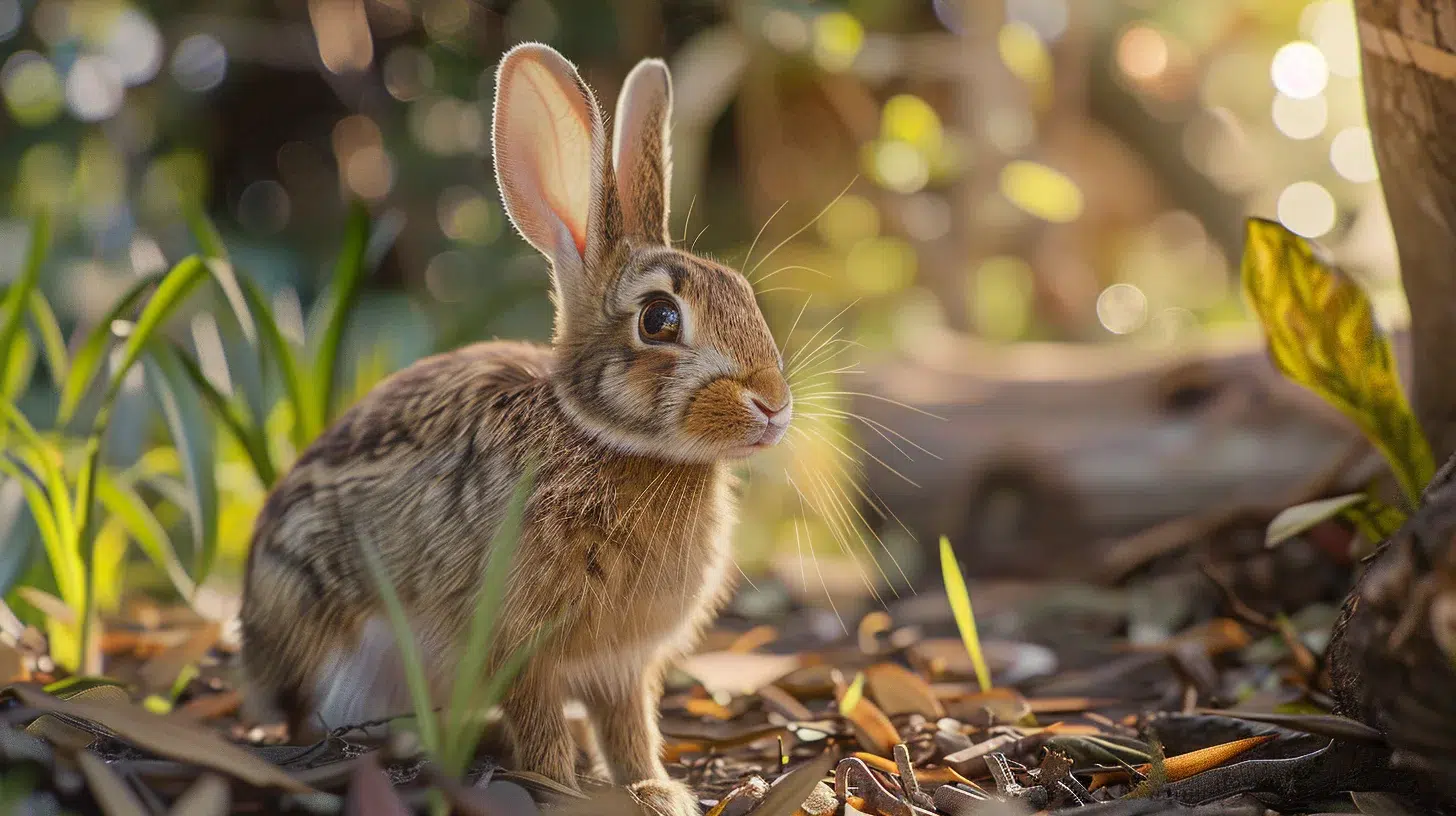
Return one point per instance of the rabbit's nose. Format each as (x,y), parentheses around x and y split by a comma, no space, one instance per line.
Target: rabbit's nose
(769,412)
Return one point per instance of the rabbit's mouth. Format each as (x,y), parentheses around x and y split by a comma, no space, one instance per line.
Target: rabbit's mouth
(773,433)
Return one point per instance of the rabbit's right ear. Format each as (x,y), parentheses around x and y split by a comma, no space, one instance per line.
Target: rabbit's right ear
(552,166)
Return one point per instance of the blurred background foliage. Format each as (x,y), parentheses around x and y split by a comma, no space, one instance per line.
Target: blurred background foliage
(1015,170)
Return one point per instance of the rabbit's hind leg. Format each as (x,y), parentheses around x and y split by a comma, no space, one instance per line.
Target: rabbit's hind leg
(359,684)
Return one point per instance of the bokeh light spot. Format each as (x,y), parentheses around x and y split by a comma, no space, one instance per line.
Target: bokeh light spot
(200,63)
(1024,54)
(1300,118)
(1307,209)
(838,37)
(900,167)
(32,88)
(1353,156)
(93,89)
(1142,53)
(1001,297)
(850,219)
(1299,70)
(135,45)
(878,266)
(1041,191)
(911,119)
(1122,308)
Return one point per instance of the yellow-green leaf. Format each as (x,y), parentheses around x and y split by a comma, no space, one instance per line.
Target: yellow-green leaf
(1323,335)
(852,695)
(1302,517)
(960,604)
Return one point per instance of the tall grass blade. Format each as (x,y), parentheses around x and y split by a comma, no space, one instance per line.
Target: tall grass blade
(17,530)
(129,509)
(44,460)
(249,435)
(52,340)
(409,649)
(344,291)
(17,298)
(92,351)
(276,345)
(19,368)
(965,618)
(191,434)
(478,640)
(246,372)
(170,294)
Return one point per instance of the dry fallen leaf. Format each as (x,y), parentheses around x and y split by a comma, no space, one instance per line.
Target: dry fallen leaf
(874,729)
(738,672)
(171,737)
(1189,764)
(753,639)
(898,690)
(158,674)
(1000,705)
(790,791)
(927,776)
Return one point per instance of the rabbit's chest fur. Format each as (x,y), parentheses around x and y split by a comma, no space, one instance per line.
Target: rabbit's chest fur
(626,555)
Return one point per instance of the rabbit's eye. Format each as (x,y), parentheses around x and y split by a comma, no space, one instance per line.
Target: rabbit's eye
(660,322)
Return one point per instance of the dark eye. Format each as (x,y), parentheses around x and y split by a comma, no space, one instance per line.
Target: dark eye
(660,322)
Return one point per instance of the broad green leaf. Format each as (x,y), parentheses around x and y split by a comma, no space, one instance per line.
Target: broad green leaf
(108,564)
(274,343)
(51,338)
(1300,518)
(965,618)
(92,352)
(131,511)
(250,437)
(19,368)
(343,292)
(1323,335)
(480,636)
(409,648)
(191,434)
(17,297)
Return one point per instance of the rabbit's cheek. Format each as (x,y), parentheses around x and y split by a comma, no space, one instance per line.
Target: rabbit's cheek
(719,415)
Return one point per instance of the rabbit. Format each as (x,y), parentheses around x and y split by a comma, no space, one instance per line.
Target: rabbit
(662,373)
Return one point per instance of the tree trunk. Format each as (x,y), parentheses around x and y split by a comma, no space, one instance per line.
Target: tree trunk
(1409,66)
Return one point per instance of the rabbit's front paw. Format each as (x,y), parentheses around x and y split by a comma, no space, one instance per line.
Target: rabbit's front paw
(666,797)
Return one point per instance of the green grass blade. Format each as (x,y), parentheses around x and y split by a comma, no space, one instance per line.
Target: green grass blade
(92,352)
(960,604)
(209,240)
(17,298)
(127,507)
(52,340)
(44,460)
(249,436)
(191,433)
(273,341)
(344,291)
(468,727)
(65,565)
(476,649)
(409,649)
(17,530)
(170,294)
(19,368)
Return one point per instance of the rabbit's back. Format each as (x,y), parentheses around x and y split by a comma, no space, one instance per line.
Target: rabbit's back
(422,469)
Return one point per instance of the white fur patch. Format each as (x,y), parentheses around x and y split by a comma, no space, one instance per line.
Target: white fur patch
(364,683)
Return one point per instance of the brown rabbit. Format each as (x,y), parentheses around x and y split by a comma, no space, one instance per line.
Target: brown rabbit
(661,372)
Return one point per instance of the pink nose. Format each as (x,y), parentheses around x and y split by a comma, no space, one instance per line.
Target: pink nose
(768,413)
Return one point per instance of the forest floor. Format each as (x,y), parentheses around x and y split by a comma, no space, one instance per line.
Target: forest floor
(1168,693)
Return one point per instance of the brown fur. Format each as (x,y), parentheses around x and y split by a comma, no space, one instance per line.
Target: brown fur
(625,540)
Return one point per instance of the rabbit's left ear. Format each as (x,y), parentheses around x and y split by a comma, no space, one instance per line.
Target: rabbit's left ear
(642,157)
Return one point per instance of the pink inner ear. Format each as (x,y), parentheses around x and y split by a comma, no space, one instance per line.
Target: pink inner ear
(553,127)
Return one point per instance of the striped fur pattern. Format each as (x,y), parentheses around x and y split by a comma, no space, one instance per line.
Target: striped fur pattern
(625,540)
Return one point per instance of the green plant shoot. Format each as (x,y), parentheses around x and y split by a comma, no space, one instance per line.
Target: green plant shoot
(960,604)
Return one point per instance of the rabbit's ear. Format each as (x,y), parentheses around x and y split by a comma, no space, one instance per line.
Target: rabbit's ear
(551,163)
(643,157)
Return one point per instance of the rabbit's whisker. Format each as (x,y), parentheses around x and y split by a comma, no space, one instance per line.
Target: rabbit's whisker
(789,268)
(800,230)
(843,505)
(824,357)
(688,221)
(761,230)
(878,427)
(818,569)
(694,247)
(828,394)
(826,325)
(804,504)
(834,520)
(788,337)
(849,458)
